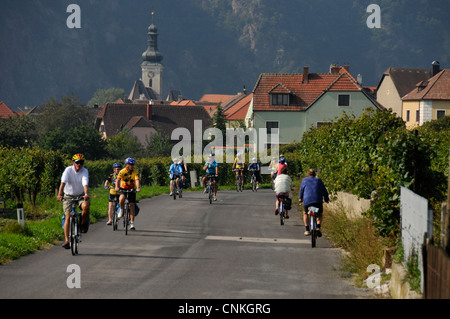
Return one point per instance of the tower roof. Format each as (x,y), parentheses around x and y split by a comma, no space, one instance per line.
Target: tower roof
(152,55)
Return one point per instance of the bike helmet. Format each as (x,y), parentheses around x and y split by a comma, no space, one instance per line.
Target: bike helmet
(115,165)
(130,160)
(78,157)
(254,159)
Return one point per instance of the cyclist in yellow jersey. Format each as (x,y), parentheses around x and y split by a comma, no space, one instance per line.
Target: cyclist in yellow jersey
(111,184)
(128,179)
(239,164)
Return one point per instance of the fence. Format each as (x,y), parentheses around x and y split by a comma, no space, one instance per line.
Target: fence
(417,225)
(437,283)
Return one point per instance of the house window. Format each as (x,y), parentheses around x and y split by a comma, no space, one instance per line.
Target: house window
(279,99)
(440,113)
(272,127)
(408,115)
(343,100)
(417,116)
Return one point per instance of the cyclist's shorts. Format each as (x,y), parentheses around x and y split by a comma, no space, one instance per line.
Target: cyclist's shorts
(111,197)
(282,195)
(67,206)
(318,205)
(131,197)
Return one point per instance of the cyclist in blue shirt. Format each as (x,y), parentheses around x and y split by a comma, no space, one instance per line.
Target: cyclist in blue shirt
(184,170)
(175,171)
(312,193)
(211,168)
(256,169)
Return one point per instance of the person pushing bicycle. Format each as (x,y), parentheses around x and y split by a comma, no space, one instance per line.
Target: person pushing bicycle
(75,183)
(128,179)
(312,193)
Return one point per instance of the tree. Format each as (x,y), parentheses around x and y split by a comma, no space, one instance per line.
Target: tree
(65,114)
(158,144)
(219,120)
(17,131)
(80,139)
(101,97)
(123,144)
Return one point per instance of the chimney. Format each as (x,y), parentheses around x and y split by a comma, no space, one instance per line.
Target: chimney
(149,111)
(305,74)
(435,68)
(334,69)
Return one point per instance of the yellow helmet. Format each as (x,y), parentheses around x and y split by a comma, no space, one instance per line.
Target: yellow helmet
(78,157)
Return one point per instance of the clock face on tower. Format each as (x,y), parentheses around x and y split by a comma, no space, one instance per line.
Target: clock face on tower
(150,74)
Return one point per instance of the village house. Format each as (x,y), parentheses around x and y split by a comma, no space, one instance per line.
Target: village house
(289,104)
(395,83)
(429,100)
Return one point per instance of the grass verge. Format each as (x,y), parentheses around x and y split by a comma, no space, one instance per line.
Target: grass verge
(360,240)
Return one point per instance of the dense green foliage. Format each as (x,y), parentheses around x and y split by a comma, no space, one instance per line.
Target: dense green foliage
(373,156)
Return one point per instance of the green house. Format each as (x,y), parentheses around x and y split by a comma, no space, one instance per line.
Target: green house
(289,104)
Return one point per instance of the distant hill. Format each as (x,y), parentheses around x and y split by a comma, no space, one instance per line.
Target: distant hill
(209,46)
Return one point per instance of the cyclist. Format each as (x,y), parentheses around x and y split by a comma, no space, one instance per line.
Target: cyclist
(175,174)
(75,183)
(283,185)
(312,193)
(128,179)
(211,168)
(256,169)
(281,163)
(273,167)
(239,166)
(184,169)
(111,182)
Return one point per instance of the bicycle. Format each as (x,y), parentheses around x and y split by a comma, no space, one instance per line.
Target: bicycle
(253,181)
(313,212)
(282,208)
(126,208)
(238,179)
(75,224)
(210,186)
(115,220)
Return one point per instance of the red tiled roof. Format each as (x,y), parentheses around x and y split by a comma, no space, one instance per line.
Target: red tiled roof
(5,112)
(239,110)
(215,98)
(303,93)
(436,88)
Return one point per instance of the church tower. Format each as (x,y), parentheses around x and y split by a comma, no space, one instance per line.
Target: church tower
(152,67)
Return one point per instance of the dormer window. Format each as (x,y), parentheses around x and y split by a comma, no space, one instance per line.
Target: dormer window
(279,99)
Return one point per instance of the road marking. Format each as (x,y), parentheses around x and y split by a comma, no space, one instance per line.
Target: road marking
(260,240)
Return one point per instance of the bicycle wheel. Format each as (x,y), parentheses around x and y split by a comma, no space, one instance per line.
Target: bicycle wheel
(114,217)
(238,182)
(210,186)
(73,234)
(253,183)
(313,231)
(126,216)
(174,193)
(282,213)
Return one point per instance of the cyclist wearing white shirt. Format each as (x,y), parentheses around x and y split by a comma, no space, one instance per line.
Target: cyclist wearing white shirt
(283,185)
(75,183)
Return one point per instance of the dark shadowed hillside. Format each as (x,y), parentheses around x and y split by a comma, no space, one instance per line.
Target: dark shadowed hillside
(209,46)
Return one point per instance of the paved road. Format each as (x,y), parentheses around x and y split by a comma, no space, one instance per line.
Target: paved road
(188,249)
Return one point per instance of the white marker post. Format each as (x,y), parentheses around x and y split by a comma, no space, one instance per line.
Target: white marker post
(20,215)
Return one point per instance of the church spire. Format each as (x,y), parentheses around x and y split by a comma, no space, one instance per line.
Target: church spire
(152,55)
